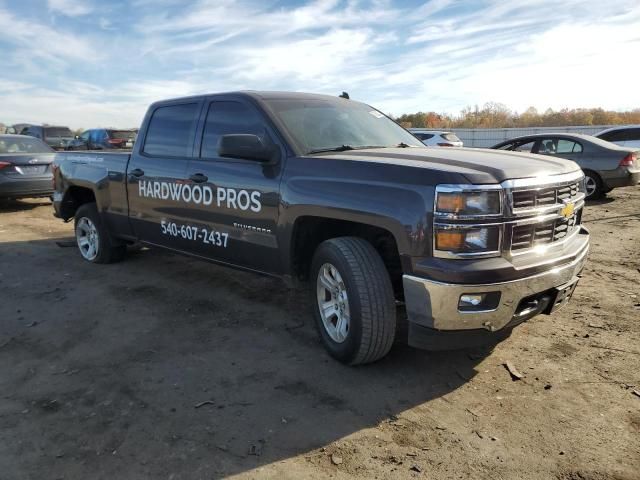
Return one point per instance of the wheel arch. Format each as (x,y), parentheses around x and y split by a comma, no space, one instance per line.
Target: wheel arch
(74,197)
(309,231)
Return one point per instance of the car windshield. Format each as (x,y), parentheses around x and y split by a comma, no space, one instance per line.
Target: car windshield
(326,124)
(120,134)
(58,132)
(23,145)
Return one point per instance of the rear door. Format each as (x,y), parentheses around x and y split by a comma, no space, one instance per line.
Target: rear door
(157,178)
(236,221)
(566,148)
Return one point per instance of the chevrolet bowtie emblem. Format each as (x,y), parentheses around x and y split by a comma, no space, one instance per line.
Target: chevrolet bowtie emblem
(567,210)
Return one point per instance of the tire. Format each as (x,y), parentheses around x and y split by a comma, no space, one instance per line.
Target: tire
(348,277)
(593,183)
(94,241)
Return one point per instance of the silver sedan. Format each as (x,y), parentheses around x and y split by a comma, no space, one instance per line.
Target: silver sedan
(605,165)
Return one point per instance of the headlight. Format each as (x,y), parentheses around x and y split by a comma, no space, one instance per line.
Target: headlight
(468,203)
(460,240)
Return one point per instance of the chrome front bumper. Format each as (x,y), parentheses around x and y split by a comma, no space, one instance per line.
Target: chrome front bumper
(435,305)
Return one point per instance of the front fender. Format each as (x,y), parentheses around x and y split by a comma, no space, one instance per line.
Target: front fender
(400,210)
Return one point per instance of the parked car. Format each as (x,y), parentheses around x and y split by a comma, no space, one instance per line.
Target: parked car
(103,138)
(436,138)
(58,138)
(25,167)
(19,127)
(625,136)
(605,165)
(331,194)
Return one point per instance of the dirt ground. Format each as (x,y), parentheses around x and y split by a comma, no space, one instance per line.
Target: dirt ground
(167,367)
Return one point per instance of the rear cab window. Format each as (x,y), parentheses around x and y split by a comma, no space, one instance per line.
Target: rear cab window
(171,130)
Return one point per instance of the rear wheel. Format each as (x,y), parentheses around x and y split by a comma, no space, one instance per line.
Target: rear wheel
(94,242)
(354,303)
(593,185)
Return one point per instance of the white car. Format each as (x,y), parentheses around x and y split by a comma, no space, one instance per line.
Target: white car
(436,138)
(626,136)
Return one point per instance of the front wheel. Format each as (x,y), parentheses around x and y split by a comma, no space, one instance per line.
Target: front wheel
(94,242)
(354,302)
(593,186)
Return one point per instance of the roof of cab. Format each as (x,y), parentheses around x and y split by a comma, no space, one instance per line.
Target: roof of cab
(260,95)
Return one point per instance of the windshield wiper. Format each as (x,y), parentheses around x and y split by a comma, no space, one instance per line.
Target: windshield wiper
(343,148)
(403,145)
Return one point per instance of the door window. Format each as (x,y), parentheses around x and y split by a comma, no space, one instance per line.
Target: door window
(424,136)
(523,146)
(568,146)
(547,146)
(227,118)
(171,129)
(632,135)
(85,136)
(615,135)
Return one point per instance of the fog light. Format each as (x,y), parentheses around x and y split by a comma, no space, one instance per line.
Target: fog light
(471,300)
(477,302)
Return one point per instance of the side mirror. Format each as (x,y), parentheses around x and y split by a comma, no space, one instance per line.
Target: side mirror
(246,146)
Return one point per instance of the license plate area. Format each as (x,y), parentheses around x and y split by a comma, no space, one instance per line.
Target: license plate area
(563,294)
(31,169)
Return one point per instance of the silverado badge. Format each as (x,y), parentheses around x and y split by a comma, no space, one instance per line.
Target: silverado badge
(567,210)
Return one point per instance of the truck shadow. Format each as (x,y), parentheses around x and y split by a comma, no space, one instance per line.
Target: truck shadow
(162,364)
(11,205)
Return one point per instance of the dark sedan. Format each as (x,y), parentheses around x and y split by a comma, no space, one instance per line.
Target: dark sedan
(605,165)
(25,167)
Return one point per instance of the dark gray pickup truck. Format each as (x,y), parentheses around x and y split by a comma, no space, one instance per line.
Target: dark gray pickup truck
(331,193)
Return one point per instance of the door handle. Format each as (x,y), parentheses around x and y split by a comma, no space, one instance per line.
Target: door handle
(137,172)
(199,177)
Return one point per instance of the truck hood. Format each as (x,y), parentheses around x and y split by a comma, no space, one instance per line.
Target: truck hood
(475,164)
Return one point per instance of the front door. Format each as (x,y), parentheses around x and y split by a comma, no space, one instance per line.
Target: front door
(236,220)
(157,176)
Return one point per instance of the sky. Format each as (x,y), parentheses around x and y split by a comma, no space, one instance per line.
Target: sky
(91,63)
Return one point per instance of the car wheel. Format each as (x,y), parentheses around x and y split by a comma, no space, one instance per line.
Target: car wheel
(593,185)
(354,302)
(94,242)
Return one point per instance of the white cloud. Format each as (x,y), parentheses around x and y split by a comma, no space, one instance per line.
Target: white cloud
(443,55)
(53,45)
(70,8)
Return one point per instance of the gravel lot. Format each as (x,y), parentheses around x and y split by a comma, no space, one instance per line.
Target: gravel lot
(166,367)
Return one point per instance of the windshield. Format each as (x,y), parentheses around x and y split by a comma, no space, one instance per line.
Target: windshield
(319,124)
(122,134)
(58,132)
(23,145)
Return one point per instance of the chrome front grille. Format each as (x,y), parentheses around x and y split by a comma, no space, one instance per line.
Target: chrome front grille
(543,213)
(544,197)
(536,234)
